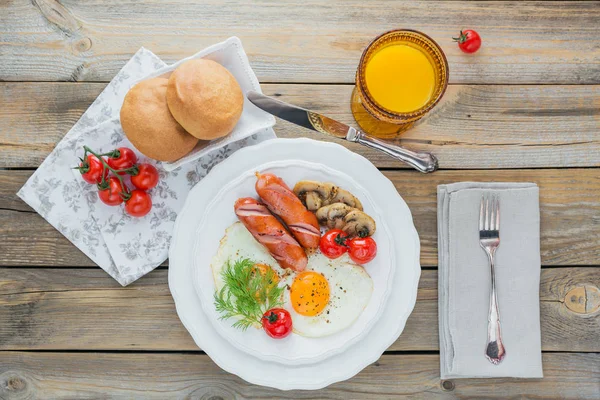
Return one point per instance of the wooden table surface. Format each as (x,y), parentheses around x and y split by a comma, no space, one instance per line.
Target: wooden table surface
(526,107)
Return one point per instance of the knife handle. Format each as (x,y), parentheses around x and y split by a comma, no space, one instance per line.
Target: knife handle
(423,162)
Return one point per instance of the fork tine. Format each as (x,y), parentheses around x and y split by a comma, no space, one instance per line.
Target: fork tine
(492,218)
(497,213)
(487,213)
(496,205)
(481,216)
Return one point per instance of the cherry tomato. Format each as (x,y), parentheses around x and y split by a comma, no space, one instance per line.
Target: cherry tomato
(277,322)
(333,243)
(92,169)
(468,41)
(139,204)
(362,250)
(110,193)
(125,158)
(146,178)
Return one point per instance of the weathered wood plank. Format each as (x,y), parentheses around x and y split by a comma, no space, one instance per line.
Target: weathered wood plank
(35,242)
(10,182)
(474,127)
(569,209)
(569,205)
(58,309)
(524,41)
(158,376)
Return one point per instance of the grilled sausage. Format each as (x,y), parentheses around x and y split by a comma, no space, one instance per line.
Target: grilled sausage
(281,201)
(271,233)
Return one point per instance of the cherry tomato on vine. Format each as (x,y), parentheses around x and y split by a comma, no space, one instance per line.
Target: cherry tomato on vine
(110,193)
(468,41)
(139,204)
(333,243)
(146,178)
(124,158)
(277,322)
(362,250)
(92,169)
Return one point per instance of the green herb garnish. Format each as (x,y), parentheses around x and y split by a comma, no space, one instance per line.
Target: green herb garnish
(247,293)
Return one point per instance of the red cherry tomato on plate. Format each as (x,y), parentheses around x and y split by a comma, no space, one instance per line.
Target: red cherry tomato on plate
(146,178)
(277,322)
(139,204)
(92,169)
(333,243)
(468,41)
(111,192)
(125,158)
(362,250)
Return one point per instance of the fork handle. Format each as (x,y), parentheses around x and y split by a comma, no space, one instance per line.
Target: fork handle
(494,350)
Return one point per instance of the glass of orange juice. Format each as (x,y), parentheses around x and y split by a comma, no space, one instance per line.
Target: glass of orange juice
(401,76)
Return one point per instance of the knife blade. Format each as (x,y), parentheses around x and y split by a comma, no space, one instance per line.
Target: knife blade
(299,116)
(424,162)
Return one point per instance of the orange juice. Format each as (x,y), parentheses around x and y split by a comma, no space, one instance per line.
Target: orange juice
(401,78)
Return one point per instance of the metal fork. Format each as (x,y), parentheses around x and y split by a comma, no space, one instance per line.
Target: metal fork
(489,239)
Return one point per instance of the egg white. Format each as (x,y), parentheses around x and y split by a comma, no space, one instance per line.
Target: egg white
(238,243)
(350,288)
(349,284)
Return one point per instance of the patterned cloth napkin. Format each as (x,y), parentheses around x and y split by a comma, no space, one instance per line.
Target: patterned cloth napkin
(125,247)
(464,281)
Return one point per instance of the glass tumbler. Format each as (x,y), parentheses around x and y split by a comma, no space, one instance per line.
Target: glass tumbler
(374,118)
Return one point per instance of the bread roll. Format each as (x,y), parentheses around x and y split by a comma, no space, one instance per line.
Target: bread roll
(205,99)
(148,124)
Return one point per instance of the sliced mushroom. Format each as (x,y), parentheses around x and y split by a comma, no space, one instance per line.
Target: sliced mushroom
(313,201)
(332,216)
(315,195)
(359,224)
(344,196)
(351,220)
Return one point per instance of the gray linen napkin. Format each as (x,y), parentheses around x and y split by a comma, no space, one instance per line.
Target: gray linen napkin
(464,281)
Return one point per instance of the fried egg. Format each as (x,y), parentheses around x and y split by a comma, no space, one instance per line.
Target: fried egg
(324,299)
(328,296)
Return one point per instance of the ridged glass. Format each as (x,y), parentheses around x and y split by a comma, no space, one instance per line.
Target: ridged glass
(383,122)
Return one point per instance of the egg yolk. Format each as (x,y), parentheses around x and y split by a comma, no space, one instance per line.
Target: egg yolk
(262,269)
(309,293)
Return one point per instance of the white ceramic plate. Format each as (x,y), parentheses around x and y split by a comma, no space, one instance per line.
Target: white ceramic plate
(335,368)
(219,215)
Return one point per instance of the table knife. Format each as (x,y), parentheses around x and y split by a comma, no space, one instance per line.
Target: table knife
(424,162)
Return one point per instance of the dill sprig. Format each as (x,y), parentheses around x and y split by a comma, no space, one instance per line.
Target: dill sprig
(247,294)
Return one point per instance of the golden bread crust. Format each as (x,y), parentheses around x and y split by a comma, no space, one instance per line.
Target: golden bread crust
(205,99)
(150,127)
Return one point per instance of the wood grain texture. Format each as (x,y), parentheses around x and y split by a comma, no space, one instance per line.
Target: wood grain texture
(10,183)
(60,309)
(159,376)
(490,118)
(569,207)
(474,127)
(295,41)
